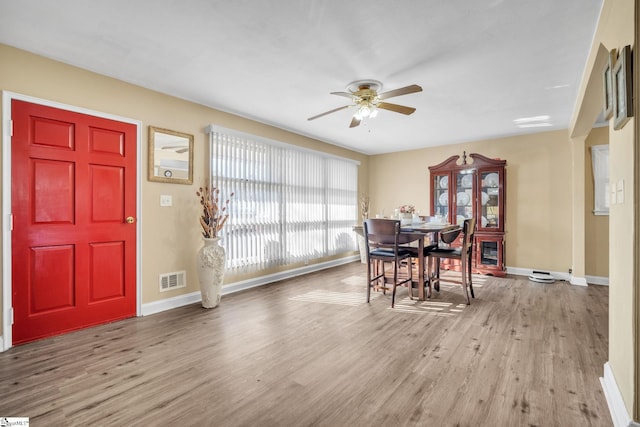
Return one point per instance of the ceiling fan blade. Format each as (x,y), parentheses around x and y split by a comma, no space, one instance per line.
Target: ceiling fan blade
(397,108)
(354,122)
(402,91)
(329,112)
(175,148)
(345,94)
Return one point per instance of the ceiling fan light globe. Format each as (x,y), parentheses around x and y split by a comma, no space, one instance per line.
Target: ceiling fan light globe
(374,112)
(364,111)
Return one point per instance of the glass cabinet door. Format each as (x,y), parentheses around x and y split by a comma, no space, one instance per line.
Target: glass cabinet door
(490,250)
(441,196)
(464,196)
(490,199)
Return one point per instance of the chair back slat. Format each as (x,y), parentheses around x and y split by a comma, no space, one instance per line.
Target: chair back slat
(382,232)
(449,234)
(469,229)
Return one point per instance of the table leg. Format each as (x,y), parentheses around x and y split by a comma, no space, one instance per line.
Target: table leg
(421,270)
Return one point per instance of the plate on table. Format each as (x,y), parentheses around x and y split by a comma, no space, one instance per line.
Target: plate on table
(444,199)
(463,199)
(492,180)
(466,181)
(485,198)
(484,221)
(444,182)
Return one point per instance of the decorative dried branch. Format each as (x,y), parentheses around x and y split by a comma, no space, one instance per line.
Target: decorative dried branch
(213,216)
(364,206)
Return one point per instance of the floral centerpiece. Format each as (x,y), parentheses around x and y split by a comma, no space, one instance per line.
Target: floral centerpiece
(408,209)
(214,213)
(406,213)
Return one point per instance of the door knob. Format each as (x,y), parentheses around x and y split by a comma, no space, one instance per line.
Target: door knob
(130,220)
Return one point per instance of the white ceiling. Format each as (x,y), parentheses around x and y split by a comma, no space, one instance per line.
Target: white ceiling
(481,63)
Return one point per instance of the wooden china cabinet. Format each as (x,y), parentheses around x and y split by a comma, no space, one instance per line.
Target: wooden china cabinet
(473,187)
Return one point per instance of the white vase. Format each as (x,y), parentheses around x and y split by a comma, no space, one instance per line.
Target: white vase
(211,259)
(405,219)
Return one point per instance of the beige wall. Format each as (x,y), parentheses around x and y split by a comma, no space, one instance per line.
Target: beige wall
(170,235)
(596,226)
(538,202)
(615,30)
(619,32)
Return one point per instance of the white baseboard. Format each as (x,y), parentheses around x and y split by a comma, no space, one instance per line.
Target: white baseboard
(598,280)
(169,303)
(263,280)
(578,281)
(558,275)
(194,297)
(619,414)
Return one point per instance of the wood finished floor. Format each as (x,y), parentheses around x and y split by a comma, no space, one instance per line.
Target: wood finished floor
(310,352)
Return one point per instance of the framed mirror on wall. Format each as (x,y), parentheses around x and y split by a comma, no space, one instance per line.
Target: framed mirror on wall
(170,156)
(607,80)
(622,88)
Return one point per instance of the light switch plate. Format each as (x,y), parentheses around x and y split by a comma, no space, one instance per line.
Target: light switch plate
(166,200)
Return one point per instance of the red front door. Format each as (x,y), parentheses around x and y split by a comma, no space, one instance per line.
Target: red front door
(73,250)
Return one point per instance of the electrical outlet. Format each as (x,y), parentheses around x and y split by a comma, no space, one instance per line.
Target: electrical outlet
(570,270)
(166,200)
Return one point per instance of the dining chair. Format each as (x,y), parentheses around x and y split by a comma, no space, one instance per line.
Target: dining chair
(382,237)
(446,235)
(464,254)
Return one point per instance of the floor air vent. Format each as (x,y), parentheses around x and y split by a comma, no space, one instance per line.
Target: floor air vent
(173,280)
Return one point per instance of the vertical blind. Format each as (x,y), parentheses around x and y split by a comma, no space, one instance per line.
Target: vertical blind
(290,205)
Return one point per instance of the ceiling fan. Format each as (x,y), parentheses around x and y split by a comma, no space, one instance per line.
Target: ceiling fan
(366,99)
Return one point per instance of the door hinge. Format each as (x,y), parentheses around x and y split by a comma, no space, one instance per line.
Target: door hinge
(10,127)
(10,222)
(11,314)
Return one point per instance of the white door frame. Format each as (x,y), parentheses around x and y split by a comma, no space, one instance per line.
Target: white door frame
(6,339)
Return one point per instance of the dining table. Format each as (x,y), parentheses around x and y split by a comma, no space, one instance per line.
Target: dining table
(414,234)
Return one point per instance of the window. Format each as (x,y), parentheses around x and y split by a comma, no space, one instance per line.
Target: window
(600,163)
(290,205)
